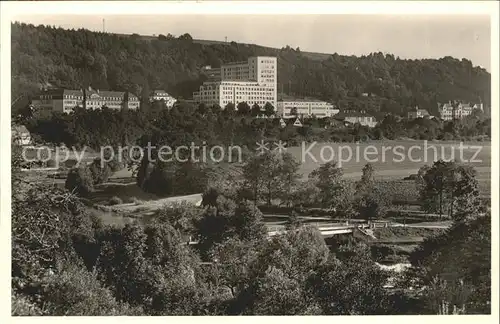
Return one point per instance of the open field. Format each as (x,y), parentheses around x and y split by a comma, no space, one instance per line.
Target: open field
(137,202)
(391,159)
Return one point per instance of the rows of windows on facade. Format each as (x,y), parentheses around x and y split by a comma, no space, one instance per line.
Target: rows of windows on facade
(255,82)
(66,100)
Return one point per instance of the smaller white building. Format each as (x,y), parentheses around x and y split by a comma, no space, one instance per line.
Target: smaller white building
(163,95)
(290,108)
(418,113)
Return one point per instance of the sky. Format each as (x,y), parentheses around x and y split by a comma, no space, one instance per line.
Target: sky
(410,36)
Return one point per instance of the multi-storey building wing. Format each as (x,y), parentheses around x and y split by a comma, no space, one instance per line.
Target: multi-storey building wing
(253,82)
(449,111)
(289,108)
(65,100)
(213,74)
(354,117)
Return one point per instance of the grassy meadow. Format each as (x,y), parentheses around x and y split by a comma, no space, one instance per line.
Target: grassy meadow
(391,164)
(390,168)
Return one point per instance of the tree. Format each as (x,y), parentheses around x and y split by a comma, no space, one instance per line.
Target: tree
(247,222)
(228,220)
(216,109)
(158,105)
(80,181)
(232,259)
(73,291)
(255,111)
(293,222)
(454,267)
(351,286)
(229,109)
(297,253)
(328,179)
(268,109)
(288,176)
(304,193)
(271,175)
(157,178)
(252,173)
(181,216)
(100,173)
(372,204)
(371,200)
(185,37)
(243,108)
(277,284)
(447,184)
(149,266)
(202,109)
(466,202)
(277,294)
(367,177)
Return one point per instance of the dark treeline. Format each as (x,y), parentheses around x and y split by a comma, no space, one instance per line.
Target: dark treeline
(43,56)
(185,123)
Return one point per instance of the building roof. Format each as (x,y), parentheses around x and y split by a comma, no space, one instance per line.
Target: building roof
(100,93)
(300,100)
(161,92)
(351,113)
(287,98)
(464,105)
(234,63)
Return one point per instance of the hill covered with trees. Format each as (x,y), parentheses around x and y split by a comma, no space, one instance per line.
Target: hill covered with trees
(49,56)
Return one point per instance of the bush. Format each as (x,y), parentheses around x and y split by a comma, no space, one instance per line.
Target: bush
(51,163)
(115,201)
(80,181)
(115,165)
(70,163)
(74,291)
(156,178)
(22,306)
(100,173)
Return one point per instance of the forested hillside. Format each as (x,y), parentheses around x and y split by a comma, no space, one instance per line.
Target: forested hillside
(44,56)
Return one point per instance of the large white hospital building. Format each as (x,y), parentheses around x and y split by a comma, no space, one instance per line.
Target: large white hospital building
(253,82)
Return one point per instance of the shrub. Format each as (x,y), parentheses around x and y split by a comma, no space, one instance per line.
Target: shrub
(51,163)
(100,173)
(115,165)
(156,178)
(70,163)
(115,201)
(22,306)
(80,181)
(73,291)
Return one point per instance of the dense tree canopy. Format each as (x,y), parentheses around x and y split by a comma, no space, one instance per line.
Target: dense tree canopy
(45,55)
